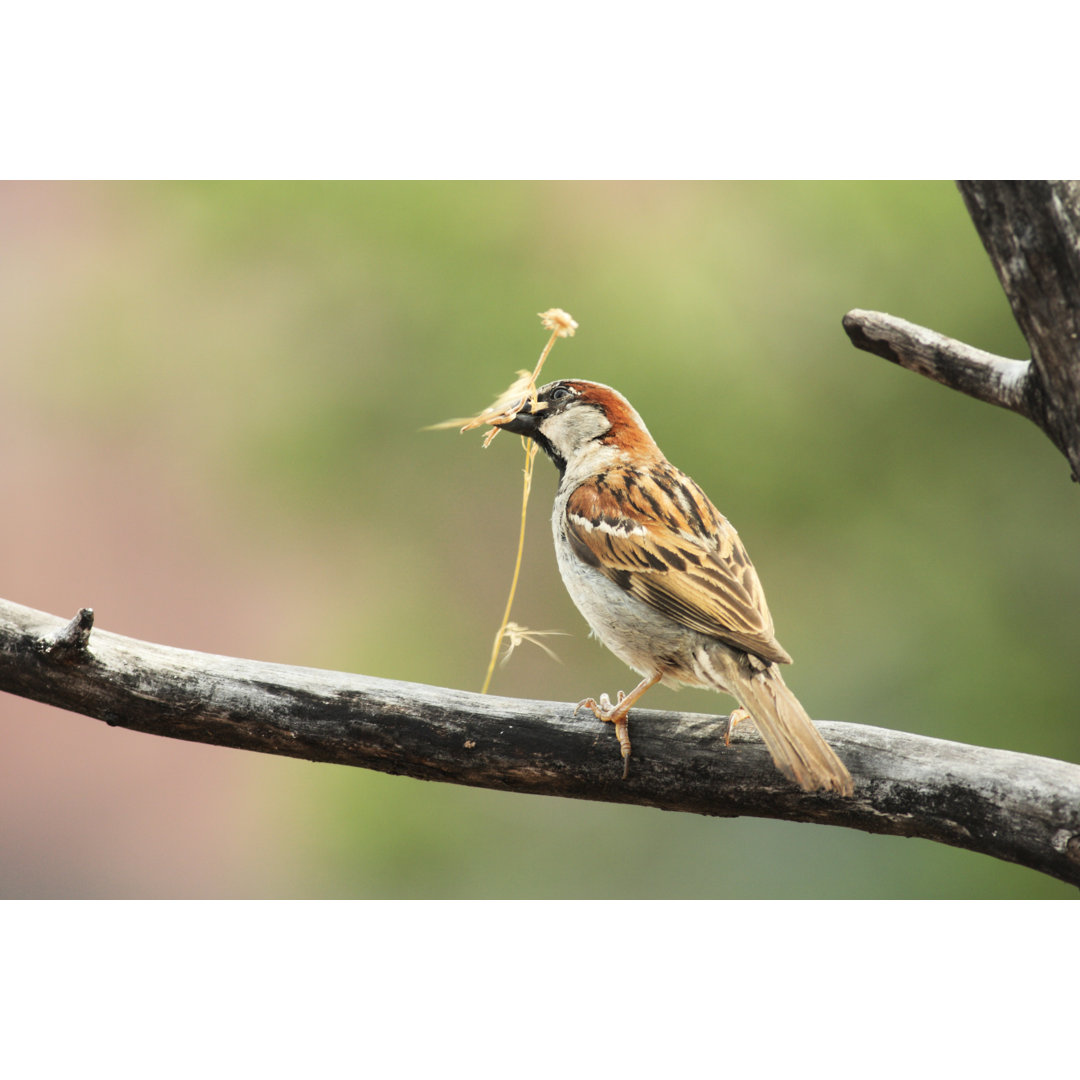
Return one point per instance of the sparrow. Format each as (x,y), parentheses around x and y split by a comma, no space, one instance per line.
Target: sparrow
(662,577)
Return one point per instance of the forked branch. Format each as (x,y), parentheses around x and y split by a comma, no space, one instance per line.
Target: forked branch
(1031,231)
(1012,806)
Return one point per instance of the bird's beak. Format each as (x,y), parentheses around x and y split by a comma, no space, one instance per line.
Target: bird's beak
(527,421)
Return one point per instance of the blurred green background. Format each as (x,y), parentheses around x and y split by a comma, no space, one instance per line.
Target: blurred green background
(211,398)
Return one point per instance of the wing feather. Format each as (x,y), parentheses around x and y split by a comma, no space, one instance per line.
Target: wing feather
(677,553)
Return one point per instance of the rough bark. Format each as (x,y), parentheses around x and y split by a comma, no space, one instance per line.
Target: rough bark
(1012,806)
(1031,231)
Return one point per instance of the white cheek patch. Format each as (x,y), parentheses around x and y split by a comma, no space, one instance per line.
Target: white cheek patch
(573,428)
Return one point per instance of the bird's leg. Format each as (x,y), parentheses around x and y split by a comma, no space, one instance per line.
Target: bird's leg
(616,714)
(736,717)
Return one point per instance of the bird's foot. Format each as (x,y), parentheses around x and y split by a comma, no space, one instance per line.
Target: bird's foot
(736,717)
(612,714)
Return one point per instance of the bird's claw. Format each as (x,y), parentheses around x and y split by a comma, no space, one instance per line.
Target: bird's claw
(611,714)
(602,709)
(736,717)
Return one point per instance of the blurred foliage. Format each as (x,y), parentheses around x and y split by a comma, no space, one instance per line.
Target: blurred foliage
(286,342)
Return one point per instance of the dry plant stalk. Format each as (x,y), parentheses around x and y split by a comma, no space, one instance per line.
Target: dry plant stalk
(505,407)
(530,457)
(515,634)
(512,400)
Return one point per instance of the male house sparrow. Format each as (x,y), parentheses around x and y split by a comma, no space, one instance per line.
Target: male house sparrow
(662,577)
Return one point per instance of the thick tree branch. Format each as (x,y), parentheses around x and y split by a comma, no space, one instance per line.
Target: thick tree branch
(1012,806)
(1031,231)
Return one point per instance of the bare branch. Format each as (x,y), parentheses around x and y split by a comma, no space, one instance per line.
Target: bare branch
(981,375)
(1012,806)
(1031,231)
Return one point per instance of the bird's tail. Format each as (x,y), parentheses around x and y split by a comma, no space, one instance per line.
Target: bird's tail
(797,747)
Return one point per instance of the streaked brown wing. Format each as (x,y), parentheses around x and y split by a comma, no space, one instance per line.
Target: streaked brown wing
(679,554)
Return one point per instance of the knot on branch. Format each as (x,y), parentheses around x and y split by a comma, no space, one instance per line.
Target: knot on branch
(1068,844)
(69,645)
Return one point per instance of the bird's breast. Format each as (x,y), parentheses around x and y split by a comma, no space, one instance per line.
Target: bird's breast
(636,633)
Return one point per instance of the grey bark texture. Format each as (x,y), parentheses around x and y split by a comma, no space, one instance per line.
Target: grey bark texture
(1017,807)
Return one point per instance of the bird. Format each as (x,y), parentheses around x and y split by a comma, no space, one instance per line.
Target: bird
(661,576)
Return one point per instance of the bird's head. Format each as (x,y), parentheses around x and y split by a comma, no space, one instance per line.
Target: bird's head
(574,420)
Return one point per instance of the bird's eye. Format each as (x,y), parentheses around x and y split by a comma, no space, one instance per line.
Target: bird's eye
(560,393)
